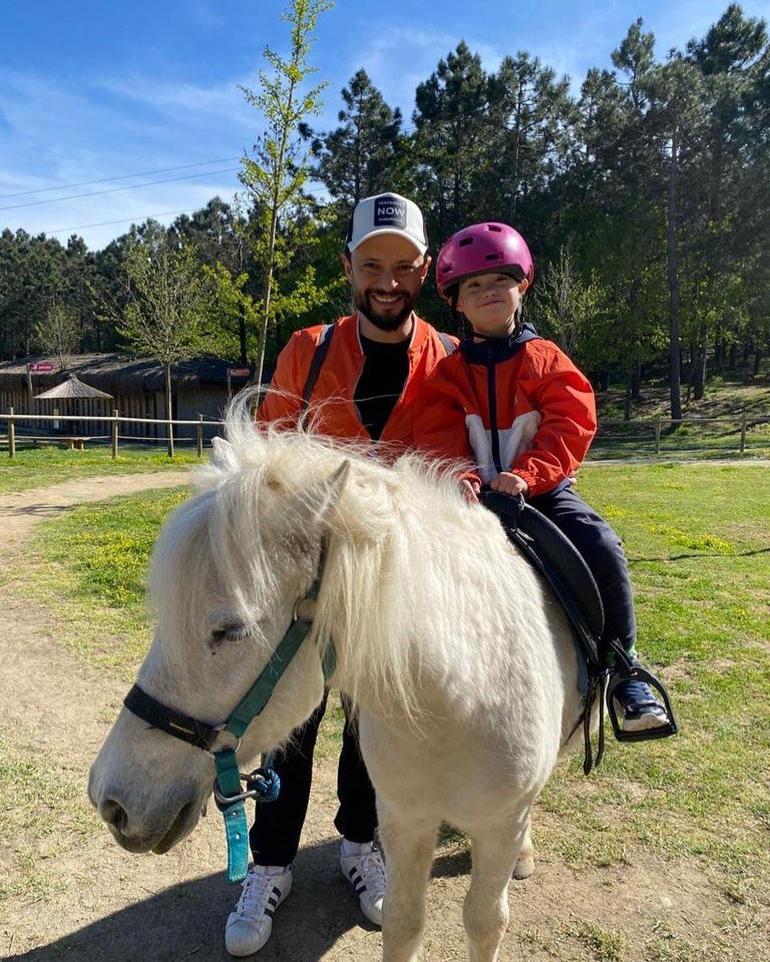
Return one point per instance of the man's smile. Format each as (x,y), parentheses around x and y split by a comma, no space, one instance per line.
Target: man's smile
(387,299)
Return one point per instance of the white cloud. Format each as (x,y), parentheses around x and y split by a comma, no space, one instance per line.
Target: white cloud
(421,49)
(198,104)
(64,136)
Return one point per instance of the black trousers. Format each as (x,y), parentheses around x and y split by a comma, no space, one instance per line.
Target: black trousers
(275,834)
(603,552)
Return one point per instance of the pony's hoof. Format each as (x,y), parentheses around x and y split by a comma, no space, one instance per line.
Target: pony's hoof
(525,865)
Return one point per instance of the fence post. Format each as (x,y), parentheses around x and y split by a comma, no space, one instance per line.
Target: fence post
(11,434)
(657,433)
(114,433)
(199,429)
(743,431)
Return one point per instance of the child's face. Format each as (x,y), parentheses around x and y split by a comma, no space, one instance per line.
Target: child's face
(490,302)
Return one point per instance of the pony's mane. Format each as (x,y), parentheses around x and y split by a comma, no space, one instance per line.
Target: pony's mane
(386,565)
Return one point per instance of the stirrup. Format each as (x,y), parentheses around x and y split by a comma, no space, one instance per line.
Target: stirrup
(626,670)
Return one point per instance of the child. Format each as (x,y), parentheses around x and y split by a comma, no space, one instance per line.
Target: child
(517,406)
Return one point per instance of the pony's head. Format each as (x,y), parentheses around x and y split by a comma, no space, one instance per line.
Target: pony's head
(227,571)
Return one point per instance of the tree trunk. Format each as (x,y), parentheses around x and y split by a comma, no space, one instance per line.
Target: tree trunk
(169,413)
(757,360)
(673,288)
(699,365)
(242,337)
(636,382)
(719,350)
(629,391)
(732,358)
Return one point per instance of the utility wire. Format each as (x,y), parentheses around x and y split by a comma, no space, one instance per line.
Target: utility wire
(144,217)
(107,180)
(114,190)
(123,220)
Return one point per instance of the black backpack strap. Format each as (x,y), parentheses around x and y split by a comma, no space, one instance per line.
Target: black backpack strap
(320,353)
(447,342)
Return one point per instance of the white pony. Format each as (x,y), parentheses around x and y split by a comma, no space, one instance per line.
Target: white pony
(460,661)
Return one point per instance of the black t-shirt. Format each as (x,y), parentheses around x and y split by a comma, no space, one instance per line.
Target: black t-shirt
(382,380)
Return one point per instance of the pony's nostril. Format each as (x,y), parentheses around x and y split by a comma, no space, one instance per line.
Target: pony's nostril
(113,813)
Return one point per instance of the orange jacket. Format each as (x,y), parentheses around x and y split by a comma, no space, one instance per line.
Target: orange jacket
(332,400)
(539,425)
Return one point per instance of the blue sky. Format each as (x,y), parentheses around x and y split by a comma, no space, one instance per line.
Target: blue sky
(91,90)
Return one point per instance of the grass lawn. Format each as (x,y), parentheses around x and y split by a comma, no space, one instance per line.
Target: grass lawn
(38,467)
(698,541)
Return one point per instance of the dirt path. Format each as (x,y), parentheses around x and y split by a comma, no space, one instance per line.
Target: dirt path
(84,899)
(20,511)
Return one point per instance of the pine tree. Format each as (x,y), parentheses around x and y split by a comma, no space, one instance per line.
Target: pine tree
(451,139)
(355,160)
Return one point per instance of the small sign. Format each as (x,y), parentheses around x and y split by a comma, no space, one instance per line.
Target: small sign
(239,372)
(41,367)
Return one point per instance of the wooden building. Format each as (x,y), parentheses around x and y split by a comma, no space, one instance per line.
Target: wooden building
(137,386)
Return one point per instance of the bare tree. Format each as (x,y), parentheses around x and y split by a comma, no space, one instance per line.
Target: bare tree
(58,334)
(167,308)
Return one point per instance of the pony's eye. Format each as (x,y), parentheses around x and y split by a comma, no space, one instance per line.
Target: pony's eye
(232,633)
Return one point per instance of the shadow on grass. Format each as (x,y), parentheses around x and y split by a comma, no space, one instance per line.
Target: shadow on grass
(188,920)
(703,554)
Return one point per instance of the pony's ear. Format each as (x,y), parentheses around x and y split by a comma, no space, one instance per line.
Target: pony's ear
(317,503)
(223,455)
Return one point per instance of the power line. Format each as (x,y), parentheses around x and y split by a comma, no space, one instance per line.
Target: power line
(144,217)
(115,190)
(123,220)
(107,180)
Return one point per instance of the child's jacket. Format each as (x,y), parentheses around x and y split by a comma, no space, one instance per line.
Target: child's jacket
(510,404)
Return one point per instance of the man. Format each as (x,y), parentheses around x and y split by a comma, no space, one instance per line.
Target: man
(358,378)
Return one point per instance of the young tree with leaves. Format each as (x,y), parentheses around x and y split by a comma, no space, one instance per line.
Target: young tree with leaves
(275,177)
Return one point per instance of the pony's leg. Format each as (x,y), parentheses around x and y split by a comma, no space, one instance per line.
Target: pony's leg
(409,844)
(525,863)
(485,910)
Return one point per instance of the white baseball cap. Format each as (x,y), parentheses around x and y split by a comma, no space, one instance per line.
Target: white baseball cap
(387,214)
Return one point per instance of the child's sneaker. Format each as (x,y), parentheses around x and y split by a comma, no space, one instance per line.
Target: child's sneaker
(365,870)
(250,924)
(638,707)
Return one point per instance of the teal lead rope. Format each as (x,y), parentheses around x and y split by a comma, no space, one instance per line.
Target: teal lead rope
(228,784)
(263,785)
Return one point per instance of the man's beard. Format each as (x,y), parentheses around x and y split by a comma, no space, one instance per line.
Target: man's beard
(388,322)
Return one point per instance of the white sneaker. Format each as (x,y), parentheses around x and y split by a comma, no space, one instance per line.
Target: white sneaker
(250,923)
(365,870)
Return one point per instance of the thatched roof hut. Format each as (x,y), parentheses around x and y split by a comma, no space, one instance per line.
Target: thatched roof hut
(71,390)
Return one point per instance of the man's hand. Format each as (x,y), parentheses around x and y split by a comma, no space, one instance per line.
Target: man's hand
(509,483)
(470,489)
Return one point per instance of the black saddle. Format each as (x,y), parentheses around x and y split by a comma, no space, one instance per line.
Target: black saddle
(565,570)
(560,563)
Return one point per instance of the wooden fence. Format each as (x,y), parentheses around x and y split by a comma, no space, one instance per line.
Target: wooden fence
(659,435)
(654,435)
(113,423)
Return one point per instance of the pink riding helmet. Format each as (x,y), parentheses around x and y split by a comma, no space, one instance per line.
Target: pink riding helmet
(481,249)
